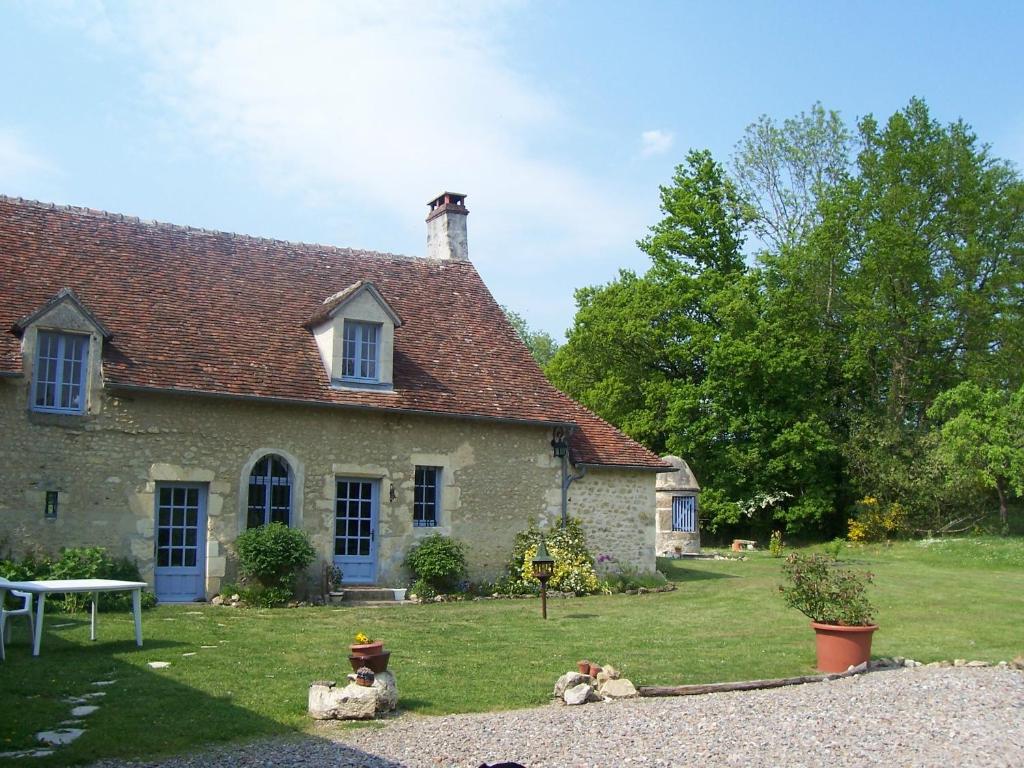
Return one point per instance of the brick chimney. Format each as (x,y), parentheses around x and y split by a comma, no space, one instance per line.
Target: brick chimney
(446,227)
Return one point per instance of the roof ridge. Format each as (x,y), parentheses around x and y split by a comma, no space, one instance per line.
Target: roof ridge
(156,224)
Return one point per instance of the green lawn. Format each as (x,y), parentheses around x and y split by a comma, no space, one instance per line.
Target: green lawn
(952,599)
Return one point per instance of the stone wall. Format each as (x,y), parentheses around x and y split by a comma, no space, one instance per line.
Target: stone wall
(617,510)
(106,464)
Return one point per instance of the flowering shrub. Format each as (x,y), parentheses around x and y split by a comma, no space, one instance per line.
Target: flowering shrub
(573,571)
(826,593)
(567,545)
(361,638)
(876,521)
(775,544)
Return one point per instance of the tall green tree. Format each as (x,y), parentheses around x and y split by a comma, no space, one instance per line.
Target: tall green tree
(934,288)
(687,358)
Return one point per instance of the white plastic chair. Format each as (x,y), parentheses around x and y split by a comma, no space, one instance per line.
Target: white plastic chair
(25,610)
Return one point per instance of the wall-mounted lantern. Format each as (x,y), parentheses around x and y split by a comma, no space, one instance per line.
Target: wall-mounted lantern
(559,447)
(50,508)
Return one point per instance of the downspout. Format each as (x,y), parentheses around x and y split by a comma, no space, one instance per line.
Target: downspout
(567,480)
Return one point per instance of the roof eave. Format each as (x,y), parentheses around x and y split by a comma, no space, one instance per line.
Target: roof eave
(636,467)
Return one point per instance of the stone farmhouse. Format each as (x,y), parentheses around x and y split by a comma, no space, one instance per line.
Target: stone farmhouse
(162,388)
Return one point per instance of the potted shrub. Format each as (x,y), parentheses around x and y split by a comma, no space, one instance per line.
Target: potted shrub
(834,599)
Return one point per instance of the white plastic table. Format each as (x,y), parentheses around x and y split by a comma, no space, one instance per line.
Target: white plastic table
(94,586)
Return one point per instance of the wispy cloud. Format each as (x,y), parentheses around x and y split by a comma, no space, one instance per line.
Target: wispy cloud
(20,163)
(656,142)
(383,102)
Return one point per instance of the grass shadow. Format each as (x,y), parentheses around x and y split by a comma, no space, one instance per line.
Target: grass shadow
(682,575)
(140,711)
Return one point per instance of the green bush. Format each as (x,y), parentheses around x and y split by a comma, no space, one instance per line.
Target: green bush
(272,555)
(79,563)
(439,561)
(627,578)
(513,587)
(835,547)
(825,593)
(422,589)
(265,597)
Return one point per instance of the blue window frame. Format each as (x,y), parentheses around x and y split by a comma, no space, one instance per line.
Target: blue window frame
(361,352)
(60,371)
(270,492)
(426,499)
(684,513)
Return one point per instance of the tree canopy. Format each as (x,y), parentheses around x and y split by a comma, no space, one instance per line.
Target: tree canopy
(830,365)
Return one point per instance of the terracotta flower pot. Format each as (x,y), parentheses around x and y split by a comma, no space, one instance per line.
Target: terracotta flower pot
(378,662)
(583,666)
(366,649)
(840,648)
(594,670)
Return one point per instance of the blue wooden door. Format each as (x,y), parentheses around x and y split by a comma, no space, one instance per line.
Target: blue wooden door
(355,529)
(180,542)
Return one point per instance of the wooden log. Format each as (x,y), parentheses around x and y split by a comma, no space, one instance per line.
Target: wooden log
(746,685)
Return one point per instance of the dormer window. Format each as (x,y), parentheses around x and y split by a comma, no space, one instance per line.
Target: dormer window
(361,354)
(62,346)
(60,372)
(355,333)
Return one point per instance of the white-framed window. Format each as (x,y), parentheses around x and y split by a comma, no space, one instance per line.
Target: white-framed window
(270,492)
(427,497)
(59,375)
(684,513)
(361,354)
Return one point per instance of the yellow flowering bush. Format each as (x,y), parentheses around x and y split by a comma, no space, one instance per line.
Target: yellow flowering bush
(573,571)
(876,521)
(567,544)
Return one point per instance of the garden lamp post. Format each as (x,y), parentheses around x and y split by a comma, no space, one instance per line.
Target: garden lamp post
(543,565)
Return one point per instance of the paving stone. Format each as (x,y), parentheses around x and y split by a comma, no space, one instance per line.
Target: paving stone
(83,711)
(60,736)
(159,664)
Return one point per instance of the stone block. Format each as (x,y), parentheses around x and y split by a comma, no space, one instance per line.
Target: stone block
(327,701)
(578,694)
(619,689)
(568,680)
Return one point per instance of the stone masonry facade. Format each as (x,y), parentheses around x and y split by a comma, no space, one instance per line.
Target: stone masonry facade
(106,464)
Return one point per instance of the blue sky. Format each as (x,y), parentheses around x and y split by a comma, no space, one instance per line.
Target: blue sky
(336,122)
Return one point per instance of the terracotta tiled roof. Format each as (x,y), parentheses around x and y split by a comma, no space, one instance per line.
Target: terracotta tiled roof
(219,313)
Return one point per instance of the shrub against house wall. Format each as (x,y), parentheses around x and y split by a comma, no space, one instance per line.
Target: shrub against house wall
(106,467)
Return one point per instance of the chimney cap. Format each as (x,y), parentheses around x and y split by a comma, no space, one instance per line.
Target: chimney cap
(452,202)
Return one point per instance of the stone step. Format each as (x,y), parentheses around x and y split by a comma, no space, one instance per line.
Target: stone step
(367,594)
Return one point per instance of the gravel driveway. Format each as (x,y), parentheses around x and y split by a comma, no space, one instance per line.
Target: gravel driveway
(948,717)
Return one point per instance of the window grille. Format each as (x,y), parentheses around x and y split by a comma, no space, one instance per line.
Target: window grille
(270,492)
(426,497)
(684,513)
